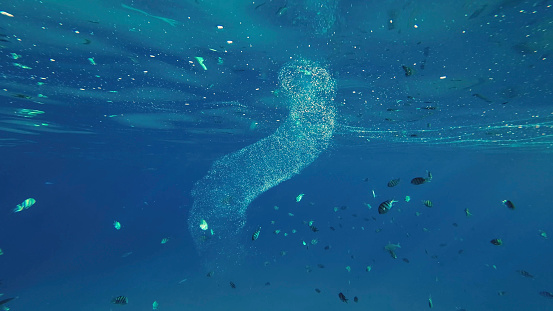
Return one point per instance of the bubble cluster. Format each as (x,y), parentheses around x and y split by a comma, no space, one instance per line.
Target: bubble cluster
(222,197)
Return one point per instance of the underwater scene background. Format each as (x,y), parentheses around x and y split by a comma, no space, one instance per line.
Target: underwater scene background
(276,155)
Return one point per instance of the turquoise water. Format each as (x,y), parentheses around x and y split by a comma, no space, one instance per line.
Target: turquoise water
(133,123)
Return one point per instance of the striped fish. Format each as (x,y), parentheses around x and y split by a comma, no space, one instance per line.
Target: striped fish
(418,180)
(427,203)
(120,300)
(255,235)
(393,182)
(25,205)
(385,206)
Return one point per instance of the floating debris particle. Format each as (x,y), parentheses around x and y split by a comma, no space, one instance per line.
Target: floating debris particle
(210,274)
(501,293)
(385,206)
(164,240)
(393,182)
(407,198)
(299,197)
(343,297)
(348,268)
(120,300)
(543,234)
(255,235)
(496,242)
(368,268)
(116,225)
(24,205)
(509,204)
(427,203)
(355,299)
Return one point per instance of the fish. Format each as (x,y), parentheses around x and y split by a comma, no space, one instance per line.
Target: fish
(355,299)
(408,71)
(509,204)
(430,303)
(210,274)
(496,241)
(393,182)
(318,290)
(4,301)
(255,235)
(418,180)
(120,300)
(385,206)
(525,274)
(232,285)
(343,298)
(24,205)
(427,203)
(546,294)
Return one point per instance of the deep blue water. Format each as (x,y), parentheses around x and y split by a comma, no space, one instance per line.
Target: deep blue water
(107,115)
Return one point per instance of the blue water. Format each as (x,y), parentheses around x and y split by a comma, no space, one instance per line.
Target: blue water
(107,115)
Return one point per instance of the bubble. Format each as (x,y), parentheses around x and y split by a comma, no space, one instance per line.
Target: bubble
(221,198)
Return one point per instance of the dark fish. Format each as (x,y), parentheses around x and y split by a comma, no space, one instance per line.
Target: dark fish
(327,247)
(496,241)
(385,206)
(343,298)
(509,204)
(393,182)
(267,283)
(255,235)
(332,228)
(120,300)
(355,299)
(427,203)
(476,13)
(313,228)
(320,265)
(210,274)
(318,290)
(484,98)
(525,274)
(232,285)
(546,294)
(405,260)
(408,71)
(418,180)
(4,301)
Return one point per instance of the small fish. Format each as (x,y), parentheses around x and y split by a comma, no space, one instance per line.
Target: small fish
(4,301)
(24,205)
(393,182)
(343,298)
(318,290)
(385,206)
(427,203)
(496,241)
(418,180)
(467,212)
(430,303)
(546,294)
(509,204)
(299,197)
(255,235)
(120,300)
(210,274)
(355,299)
(525,274)
(408,71)
(405,260)
(232,285)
